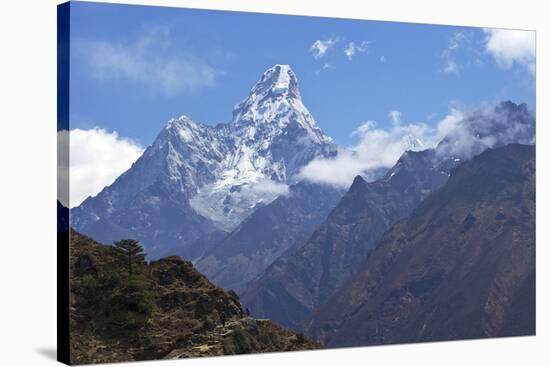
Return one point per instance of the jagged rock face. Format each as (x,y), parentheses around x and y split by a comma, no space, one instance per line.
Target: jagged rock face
(272,137)
(195,178)
(166,309)
(461,266)
(268,233)
(304,277)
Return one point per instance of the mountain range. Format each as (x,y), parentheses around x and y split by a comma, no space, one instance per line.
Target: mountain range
(296,283)
(305,277)
(268,233)
(318,258)
(461,266)
(196,179)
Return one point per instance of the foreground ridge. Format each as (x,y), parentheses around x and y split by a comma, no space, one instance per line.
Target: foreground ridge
(165,309)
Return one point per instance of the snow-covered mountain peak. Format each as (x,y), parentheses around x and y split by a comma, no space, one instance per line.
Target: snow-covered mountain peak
(275,104)
(183,130)
(278,80)
(220,173)
(412,143)
(275,94)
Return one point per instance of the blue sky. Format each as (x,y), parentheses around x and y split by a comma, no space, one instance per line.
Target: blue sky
(135,67)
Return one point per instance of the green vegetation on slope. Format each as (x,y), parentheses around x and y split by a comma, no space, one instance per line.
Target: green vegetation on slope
(164,309)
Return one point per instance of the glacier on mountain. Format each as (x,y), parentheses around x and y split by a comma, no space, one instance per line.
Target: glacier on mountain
(214,175)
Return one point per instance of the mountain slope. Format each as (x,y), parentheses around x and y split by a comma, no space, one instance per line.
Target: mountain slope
(301,280)
(294,285)
(165,309)
(267,233)
(462,265)
(196,179)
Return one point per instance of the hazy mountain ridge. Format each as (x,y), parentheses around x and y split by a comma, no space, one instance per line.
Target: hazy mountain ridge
(294,285)
(302,279)
(268,233)
(462,265)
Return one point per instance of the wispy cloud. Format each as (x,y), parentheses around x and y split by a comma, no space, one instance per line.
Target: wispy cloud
(352,48)
(320,47)
(509,47)
(451,67)
(395,117)
(97,158)
(324,67)
(149,59)
(455,42)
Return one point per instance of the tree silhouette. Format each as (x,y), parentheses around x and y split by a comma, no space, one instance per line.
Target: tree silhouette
(131,251)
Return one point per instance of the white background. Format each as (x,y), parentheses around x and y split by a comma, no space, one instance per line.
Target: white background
(28,183)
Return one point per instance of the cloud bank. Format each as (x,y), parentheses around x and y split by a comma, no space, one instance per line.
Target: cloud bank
(145,61)
(376,149)
(460,134)
(486,127)
(97,158)
(509,47)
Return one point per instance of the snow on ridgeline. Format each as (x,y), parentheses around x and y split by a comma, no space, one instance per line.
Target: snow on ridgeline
(275,99)
(229,169)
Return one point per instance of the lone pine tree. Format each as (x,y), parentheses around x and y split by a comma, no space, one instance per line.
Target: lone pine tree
(131,251)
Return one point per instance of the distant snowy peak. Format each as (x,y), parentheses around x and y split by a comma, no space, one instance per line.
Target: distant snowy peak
(278,82)
(283,80)
(412,143)
(211,177)
(275,100)
(227,169)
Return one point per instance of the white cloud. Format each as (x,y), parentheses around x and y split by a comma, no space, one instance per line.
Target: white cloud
(455,42)
(338,171)
(97,158)
(376,148)
(267,186)
(324,67)
(461,134)
(352,48)
(469,133)
(509,47)
(451,67)
(382,59)
(320,47)
(147,61)
(395,117)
